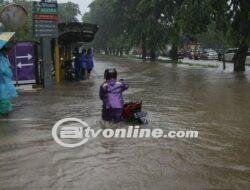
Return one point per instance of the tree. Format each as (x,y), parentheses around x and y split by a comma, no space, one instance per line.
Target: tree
(189,18)
(127,23)
(235,23)
(240,29)
(68,12)
(151,24)
(106,14)
(25,31)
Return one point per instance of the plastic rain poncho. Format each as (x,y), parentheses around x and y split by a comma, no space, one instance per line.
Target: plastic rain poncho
(7,89)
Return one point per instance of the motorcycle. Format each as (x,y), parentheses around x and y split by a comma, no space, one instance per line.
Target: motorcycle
(132,112)
(69,71)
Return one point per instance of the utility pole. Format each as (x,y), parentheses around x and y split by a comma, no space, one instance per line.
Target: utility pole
(57,61)
(223,50)
(47,61)
(223,39)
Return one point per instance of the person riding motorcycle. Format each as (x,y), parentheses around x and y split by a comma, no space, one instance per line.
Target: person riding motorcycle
(111,95)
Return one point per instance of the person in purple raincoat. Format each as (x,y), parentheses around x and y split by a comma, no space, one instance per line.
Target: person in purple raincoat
(83,64)
(111,95)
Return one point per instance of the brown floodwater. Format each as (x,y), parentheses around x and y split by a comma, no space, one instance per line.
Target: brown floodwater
(177,97)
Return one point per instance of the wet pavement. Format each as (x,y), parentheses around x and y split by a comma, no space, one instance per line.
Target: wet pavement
(176,97)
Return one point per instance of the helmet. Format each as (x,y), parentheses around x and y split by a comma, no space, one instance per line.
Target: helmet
(110,73)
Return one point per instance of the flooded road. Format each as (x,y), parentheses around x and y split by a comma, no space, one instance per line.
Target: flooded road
(176,97)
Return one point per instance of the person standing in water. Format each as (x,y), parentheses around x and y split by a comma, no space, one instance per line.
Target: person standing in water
(77,67)
(111,95)
(90,62)
(83,64)
(7,89)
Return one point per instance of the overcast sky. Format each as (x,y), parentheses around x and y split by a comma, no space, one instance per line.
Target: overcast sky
(83,4)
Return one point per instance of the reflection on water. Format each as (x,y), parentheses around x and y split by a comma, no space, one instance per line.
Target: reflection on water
(213,102)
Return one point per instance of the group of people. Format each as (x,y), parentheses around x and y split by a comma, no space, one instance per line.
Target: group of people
(84,63)
(110,91)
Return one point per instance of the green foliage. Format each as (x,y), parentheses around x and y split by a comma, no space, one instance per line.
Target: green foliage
(108,15)
(147,23)
(153,23)
(68,12)
(24,32)
(240,25)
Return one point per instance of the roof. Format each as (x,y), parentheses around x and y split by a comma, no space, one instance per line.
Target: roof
(74,32)
(5,38)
